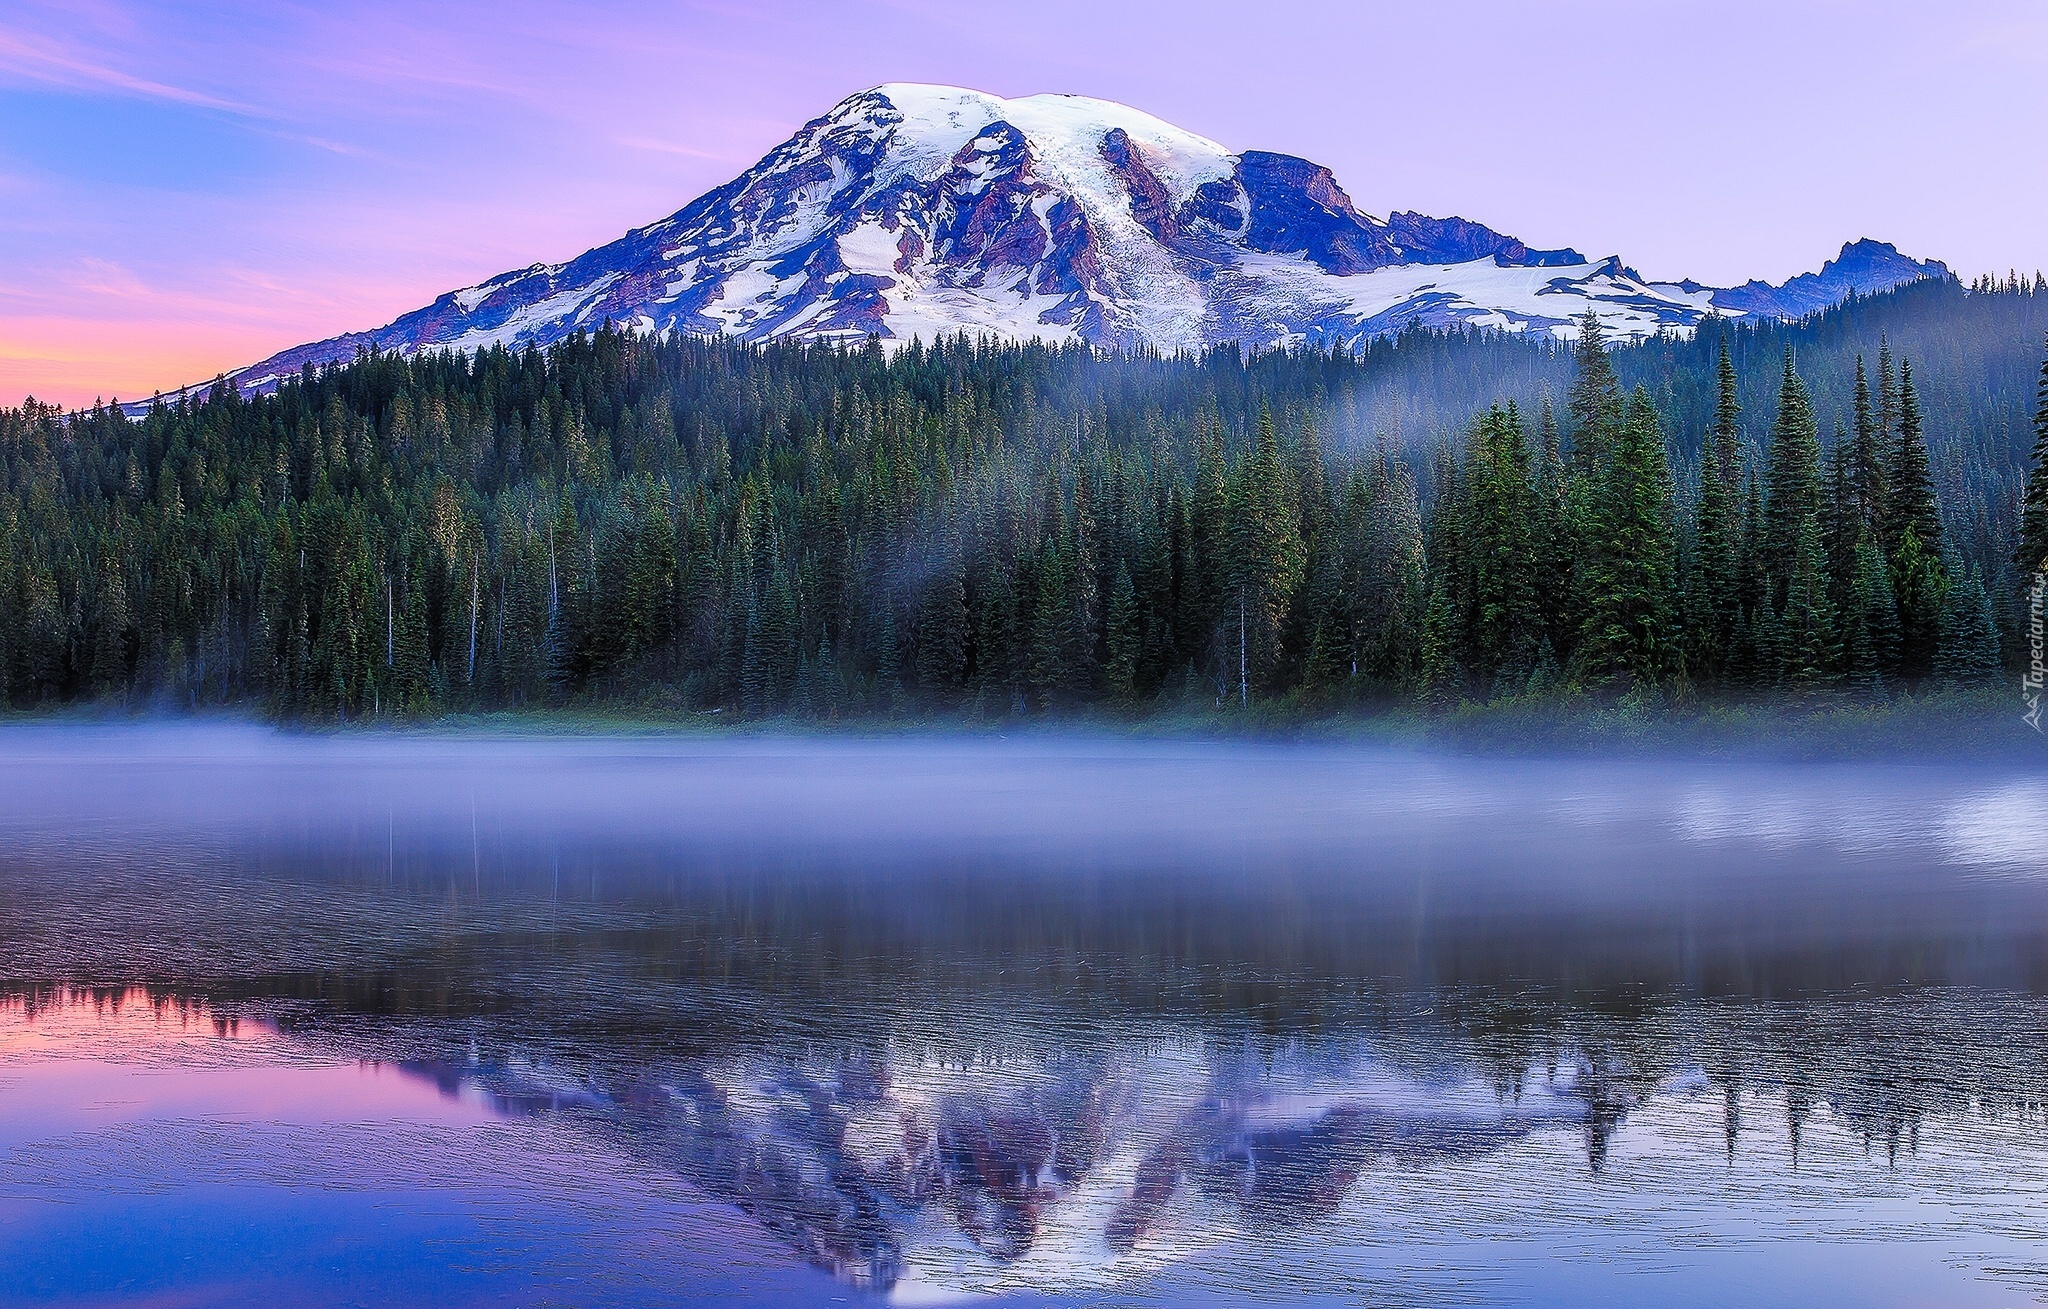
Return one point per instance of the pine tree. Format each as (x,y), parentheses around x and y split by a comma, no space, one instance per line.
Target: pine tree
(1086,590)
(412,670)
(1917,583)
(1752,583)
(1505,621)
(1842,519)
(1438,669)
(1555,544)
(1712,600)
(1052,628)
(1595,398)
(1805,629)
(828,686)
(1867,461)
(1792,476)
(1910,506)
(1967,654)
(888,661)
(756,686)
(650,583)
(1267,557)
(1887,397)
(777,636)
(942,632)
(1385,588)
(1632,571)
(2031,555)
(1727,437)
(1871,624)
(110,634)
(1120,674)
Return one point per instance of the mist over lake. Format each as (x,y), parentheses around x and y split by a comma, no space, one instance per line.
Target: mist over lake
(1050,1019)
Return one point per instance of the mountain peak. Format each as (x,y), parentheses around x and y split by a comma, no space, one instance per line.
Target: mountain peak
(913,210)
(1864,267)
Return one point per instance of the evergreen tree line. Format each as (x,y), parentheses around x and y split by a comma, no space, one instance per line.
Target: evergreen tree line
(996,529)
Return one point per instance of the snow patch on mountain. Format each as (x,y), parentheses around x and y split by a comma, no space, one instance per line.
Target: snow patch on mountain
(914,211)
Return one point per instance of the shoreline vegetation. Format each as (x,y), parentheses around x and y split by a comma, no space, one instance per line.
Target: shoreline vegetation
(1982,724)
(1654,542)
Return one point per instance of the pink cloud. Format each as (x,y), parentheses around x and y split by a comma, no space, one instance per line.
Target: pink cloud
(43,60)
(411,149)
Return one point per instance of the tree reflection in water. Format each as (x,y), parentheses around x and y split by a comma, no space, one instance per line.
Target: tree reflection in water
(947,1018)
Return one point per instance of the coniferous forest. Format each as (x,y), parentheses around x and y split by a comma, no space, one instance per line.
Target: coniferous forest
(1844,509)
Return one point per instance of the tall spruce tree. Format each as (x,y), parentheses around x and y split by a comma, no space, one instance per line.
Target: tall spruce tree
(1793,485)
(1595,399)
(1122,639)
(1868,459)
(2031,554)
(1870,653)
(1505,621)
(1727,435)
(1910,505)
(1554,540)
(1712,597)
(1967,653)
(1629,632)
(1266,556)
(1804,631)
(1918,584)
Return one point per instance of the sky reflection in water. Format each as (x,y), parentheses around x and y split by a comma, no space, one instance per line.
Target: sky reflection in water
(337,1020)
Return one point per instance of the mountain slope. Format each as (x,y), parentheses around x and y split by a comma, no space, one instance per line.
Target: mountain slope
(917,210)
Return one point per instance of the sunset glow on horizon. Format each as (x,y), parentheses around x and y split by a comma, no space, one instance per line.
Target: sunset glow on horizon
(184,191)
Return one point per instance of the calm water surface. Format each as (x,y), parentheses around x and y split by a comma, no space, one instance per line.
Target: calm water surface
(359,1020)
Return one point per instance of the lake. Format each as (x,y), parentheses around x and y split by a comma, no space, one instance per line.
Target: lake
(487,1019)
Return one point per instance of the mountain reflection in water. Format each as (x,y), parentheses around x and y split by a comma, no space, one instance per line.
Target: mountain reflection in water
(1062,1019)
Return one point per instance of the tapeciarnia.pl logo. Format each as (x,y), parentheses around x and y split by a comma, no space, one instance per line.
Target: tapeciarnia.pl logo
(2030,685)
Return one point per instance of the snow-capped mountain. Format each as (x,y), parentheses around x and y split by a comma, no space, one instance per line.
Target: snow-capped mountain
(920,210)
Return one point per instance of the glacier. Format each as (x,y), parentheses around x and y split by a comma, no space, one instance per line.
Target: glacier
(913,211)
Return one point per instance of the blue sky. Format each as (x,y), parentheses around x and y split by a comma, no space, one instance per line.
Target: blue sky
(188,187)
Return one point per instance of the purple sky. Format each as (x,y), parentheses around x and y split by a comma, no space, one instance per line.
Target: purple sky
(189,187)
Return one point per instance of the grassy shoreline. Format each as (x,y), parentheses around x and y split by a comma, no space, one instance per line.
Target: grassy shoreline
(1949,726)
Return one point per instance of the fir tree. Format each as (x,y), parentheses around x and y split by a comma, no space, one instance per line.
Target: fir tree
(1595,398)
(1727,436)
(1871,624)
(1910,506)
(1630,593)
(1792,477)
(1712,596)
(1438,670)
(1804,633)
(1918,584)
(1120,673)
(1500,508)
(2031,555)
(1967,654)
(888,662)
(1555,545)
(110,638)
(1867,473)
(942,633)
(1052,628)
(1266,552)
(1887,398)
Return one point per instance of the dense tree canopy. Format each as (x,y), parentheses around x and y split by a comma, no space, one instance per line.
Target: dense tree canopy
(1006,529)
